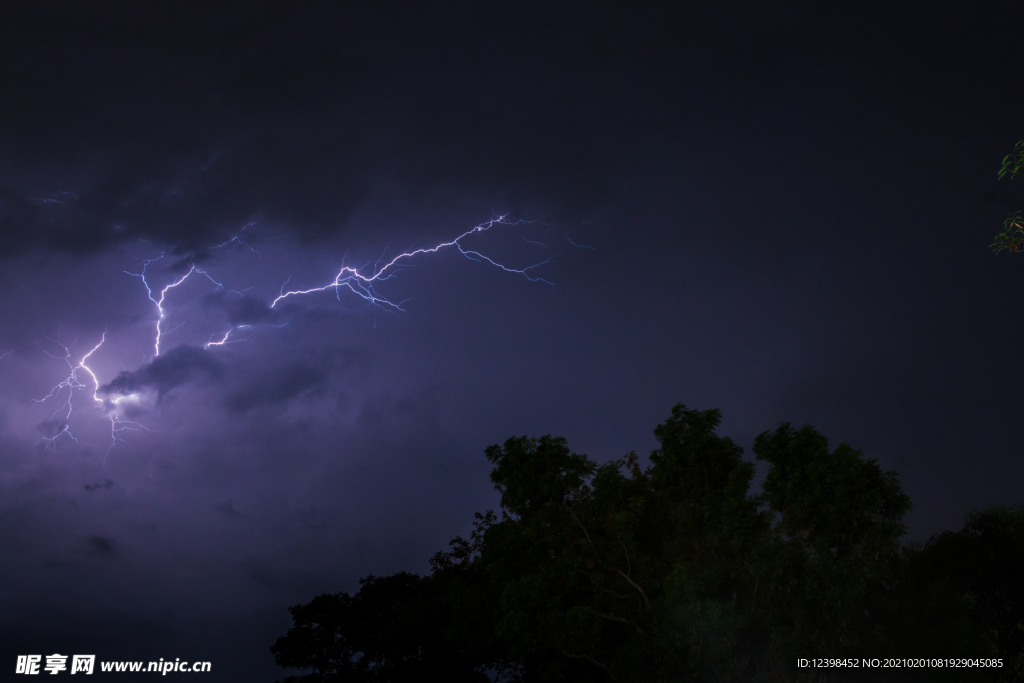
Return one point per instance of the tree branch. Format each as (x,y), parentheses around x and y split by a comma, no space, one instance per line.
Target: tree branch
(609,617)
(634,585)
(607,590)
(591,660)
(585,532)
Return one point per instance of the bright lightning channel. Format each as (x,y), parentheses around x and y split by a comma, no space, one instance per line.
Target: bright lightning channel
(362,285)
(159,303)
(359,283)
(72,382)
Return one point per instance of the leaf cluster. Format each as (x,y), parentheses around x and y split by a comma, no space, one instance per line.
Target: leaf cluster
(386,633)
(1011,238)
(982,565)
(676,571)
(1013,163)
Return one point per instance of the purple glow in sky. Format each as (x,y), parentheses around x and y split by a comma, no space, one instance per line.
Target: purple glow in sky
(225,390)
(130,390)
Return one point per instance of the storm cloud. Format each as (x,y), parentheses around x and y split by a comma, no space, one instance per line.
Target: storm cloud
(174,368)
(788,210)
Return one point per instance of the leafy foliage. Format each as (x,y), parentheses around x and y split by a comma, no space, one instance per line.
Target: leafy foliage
(675,571)
(1013,163)
(1011,238)
(837,536)
(387,632)
(632,572)
(983,562)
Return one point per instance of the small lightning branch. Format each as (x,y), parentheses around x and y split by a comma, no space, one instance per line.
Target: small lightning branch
(71,382)
(159,303)
(581,246)
(224,340)
(362,285)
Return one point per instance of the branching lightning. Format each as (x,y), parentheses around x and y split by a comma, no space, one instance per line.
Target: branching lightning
(362,285)
(159,303)
(72,382)
(362,282)
(224,340)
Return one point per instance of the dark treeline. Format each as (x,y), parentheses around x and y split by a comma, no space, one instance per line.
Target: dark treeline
(676,572)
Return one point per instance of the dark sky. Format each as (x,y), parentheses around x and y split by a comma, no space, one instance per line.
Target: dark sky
(783,212)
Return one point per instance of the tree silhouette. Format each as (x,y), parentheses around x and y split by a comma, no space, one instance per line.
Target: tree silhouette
(675,571)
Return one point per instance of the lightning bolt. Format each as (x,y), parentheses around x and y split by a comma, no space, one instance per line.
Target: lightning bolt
(238,238)
(224,340)
(362,285)
(81,364)
(360,281)
(159,303)
(72,382)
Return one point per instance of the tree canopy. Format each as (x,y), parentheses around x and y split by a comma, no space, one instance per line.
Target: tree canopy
(677,571)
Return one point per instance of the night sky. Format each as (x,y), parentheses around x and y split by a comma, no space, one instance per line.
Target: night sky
(776,211)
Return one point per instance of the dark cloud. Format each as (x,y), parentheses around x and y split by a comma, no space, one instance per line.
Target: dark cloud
(100,546)
(187,148)
(247,383)
(242,309)
(268,384)
(174,368)
(280,385)
(784,200)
